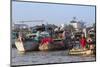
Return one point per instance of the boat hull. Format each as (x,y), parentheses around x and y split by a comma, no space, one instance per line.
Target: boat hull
(51,46)
(81,52)
(26,46)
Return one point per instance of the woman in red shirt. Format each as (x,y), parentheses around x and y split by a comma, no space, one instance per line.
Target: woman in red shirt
(83,41)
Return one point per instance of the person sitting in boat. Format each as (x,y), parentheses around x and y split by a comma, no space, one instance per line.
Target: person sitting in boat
(83,42)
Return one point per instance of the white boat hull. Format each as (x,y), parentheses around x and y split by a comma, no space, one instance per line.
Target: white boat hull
(19,46)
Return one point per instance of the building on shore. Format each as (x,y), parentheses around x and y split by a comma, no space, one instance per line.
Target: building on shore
(19,26)
(78,25)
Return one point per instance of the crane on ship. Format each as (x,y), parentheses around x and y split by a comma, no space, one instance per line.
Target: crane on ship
(30,21)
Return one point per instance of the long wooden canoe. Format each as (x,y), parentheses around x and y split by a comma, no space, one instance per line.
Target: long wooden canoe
(80,52)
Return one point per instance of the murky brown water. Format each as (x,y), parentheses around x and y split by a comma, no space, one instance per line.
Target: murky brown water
(40,57)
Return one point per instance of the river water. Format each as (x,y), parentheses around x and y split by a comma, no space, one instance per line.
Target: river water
(40,57)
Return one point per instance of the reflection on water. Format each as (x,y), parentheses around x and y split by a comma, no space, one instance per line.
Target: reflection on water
(40,57)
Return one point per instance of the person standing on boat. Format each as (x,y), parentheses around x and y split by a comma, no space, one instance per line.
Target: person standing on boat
(83,42)
(16,34)
(90,42)
(73,39)
(21,36)
(66,38)
(64,34)
(38,34)
(50,31)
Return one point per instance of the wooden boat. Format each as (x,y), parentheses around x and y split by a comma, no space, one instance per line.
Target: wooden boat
(27,45)
(81,52)
(52,46)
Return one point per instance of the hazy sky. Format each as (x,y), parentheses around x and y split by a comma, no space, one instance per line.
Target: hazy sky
(51,13)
